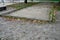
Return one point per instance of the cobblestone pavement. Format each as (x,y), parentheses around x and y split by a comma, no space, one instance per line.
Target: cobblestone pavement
(19,30)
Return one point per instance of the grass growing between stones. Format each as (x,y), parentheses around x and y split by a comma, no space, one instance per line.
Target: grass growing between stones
(58,8)
(19,6)
(52,15)
(12,18)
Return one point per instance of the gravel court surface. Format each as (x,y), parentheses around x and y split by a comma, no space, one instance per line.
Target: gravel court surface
(19,30)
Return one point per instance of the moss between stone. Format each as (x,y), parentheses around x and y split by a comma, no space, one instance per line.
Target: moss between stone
(52,16)
(11,18)
(58,8)
(19,6)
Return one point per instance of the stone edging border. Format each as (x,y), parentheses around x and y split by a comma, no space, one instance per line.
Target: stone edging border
(25,19)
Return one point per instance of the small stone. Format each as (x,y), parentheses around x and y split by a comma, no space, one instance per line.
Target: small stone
(34,21)
(44,32)
(18,19)
(38,37)
(0,38)
(38,21)
(24,32)
(56,39)
(46,38)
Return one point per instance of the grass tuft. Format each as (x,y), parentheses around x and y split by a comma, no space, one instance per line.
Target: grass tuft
(19,6)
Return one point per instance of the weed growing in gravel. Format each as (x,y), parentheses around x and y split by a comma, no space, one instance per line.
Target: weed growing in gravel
(52,16)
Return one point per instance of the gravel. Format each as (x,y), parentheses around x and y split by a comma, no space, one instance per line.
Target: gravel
(19,30)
